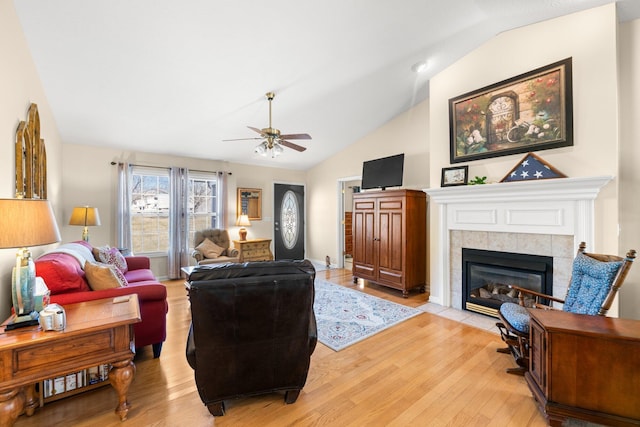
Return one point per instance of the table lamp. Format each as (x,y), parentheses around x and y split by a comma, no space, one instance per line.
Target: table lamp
(85,216)
(25,222)
(243,221)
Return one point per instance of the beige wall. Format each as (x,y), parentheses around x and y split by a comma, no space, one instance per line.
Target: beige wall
(19,87)
(407,133)
(90,179)
(629,84)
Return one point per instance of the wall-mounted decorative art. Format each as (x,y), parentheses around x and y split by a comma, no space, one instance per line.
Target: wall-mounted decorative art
(31,158)
(532,111)
(250,203)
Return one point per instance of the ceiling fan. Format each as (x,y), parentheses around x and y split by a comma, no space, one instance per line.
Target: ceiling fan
(273,139)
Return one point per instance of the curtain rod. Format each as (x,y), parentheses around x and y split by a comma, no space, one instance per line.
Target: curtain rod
(149,166)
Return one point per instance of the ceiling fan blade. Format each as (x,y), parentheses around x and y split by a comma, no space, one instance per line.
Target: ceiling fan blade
(239,139)
(291,145)
(296,136)
(255,129)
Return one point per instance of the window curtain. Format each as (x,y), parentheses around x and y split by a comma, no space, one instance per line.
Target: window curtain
(178,218)
(123,217)
(223,202)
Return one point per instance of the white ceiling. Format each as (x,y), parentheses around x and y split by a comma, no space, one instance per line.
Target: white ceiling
(179,76)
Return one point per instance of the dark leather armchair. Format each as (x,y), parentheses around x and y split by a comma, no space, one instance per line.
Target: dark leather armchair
(253,329)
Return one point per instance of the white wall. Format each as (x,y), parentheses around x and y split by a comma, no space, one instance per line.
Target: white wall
(629,57)
(588,37)
(19,87)
(90,179)
(407,133)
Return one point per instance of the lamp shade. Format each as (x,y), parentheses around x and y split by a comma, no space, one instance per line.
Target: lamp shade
(85,216)
(243,221)
(27,222)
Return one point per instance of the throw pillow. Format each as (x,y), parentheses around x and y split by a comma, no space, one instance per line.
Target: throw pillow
(103,276)
(62,273)
(108,255)
(210,249)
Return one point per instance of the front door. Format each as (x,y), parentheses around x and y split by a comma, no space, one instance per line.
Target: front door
(288,221)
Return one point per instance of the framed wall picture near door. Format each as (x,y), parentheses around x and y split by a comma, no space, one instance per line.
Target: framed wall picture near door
(250,203)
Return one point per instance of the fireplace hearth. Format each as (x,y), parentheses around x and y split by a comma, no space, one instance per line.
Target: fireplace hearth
(488,275)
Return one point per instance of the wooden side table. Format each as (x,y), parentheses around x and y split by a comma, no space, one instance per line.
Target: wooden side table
(253,250)
(585,367)
(97,332)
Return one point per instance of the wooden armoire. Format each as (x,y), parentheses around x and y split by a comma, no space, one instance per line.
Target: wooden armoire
(390,238)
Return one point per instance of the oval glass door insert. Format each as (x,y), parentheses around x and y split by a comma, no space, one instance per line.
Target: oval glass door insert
(289,218)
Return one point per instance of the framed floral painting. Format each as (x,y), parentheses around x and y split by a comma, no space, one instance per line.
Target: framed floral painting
(532,111)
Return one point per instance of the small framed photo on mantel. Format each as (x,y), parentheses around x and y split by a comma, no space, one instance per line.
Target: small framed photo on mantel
(456,175)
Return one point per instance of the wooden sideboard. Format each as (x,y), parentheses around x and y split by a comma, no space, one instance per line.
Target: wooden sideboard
(585,367)
(253,250)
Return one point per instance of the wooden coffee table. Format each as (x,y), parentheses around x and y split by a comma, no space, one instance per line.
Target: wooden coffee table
(97,332)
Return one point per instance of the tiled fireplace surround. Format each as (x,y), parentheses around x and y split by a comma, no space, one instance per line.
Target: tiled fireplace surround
(547,217)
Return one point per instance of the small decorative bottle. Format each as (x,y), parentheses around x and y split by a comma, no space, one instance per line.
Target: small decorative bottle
(24,282)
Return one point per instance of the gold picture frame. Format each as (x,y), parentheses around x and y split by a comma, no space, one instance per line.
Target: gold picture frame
(250,203)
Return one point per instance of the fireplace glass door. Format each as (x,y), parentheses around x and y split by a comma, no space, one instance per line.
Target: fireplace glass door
(487,277)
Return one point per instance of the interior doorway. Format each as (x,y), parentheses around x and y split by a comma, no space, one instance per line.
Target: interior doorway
(346,188)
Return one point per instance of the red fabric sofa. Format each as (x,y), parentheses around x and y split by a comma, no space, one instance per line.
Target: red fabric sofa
(65,278)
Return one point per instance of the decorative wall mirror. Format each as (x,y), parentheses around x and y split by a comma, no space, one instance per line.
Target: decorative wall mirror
(250,203)
(31,158)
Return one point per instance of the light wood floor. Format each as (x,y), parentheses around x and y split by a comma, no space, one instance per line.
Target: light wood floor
(426,371)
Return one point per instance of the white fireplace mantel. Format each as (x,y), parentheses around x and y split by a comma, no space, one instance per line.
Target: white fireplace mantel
(563,206)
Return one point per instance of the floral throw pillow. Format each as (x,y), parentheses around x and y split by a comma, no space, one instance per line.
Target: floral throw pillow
(111,256)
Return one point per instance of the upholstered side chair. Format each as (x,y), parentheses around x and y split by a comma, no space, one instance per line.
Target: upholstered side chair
(213,246)
(595,280)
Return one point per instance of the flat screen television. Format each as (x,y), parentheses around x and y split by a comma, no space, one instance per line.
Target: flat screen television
(383,173)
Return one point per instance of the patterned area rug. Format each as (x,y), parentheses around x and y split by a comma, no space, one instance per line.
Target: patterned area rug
(345,316)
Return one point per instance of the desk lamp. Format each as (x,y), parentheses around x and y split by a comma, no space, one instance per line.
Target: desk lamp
(243,221)
(85,216)
(25,222)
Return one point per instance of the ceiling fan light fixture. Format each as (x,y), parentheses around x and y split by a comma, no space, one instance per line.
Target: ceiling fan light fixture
(276,150)
(273,139)
(261,148)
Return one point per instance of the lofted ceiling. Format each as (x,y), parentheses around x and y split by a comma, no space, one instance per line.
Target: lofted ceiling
(179,76)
